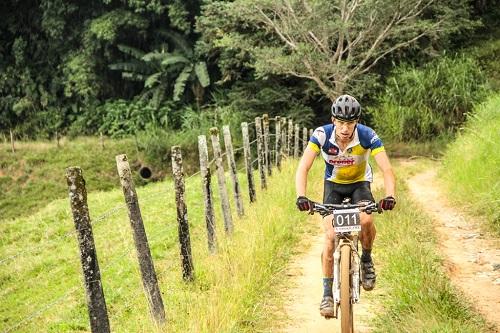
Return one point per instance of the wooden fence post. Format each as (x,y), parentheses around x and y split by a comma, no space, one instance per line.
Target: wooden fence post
(184,239)
(96,304)
(260,152)
(278,142)
(57,140)
(148,273)
(228,143)
(267,151)
(221,178)
(101,139)
(296,141)
(305,139)
(248,161)
(206,179)
(289,145)
(12,141)
(284,137)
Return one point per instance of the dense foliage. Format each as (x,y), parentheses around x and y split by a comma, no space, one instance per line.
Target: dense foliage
(119,66)
(335,44)
(423,103)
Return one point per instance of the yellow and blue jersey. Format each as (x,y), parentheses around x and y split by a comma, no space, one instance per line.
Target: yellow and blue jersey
(351,165)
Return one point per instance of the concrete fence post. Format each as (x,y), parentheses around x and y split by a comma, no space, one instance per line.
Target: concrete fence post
(206,179)
(96,304)
(221,178)
(248,162)
(305,139)
(267,150)
(278,142)
(289,145)
(228,143)
(260,153)
(184,238)
(296,141)
(12,146)
(148,273)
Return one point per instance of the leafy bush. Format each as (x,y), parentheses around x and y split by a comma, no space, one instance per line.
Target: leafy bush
(119,118)
(421,103)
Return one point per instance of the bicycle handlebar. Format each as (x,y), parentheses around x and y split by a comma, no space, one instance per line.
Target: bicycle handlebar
(327,209)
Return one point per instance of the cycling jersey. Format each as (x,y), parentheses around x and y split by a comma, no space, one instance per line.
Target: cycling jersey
(351,165)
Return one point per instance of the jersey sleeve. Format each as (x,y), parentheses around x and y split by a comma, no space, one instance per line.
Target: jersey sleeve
(317,140)
(376,145)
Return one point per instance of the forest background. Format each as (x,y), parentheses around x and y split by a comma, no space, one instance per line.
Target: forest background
(149,72)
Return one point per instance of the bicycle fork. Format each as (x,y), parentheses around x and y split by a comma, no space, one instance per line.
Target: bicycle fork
(355,271)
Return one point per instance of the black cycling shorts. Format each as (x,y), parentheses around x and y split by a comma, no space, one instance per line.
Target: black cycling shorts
(334,193)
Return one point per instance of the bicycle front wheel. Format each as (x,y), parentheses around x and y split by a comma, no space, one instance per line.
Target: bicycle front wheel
(346,315)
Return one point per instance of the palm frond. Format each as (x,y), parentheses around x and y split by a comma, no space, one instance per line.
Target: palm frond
(178,40)
(180,82)
(174,59)
(155,55)
(134,76)
(202,73)
(158,96)
(131,51)
(132,66)
(152,80)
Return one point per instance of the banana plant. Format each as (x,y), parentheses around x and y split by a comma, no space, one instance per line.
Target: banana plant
(163,71)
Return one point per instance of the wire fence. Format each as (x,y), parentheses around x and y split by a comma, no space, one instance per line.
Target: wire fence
(273,140)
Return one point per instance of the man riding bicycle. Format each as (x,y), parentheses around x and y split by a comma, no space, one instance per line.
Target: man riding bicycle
(346,145)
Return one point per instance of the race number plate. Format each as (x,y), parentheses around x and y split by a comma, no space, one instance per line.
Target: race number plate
(346,220)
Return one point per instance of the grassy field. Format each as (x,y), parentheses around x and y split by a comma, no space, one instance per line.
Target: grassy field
(42,283)
(34,174)
(471,167)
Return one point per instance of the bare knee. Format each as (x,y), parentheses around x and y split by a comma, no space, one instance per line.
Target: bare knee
(366,221)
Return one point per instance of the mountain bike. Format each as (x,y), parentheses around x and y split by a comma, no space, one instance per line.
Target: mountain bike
(346,259)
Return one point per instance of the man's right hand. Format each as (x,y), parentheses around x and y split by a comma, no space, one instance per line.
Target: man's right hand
(303,203)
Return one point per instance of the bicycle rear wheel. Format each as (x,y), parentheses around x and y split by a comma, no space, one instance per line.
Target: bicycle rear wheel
(346,314)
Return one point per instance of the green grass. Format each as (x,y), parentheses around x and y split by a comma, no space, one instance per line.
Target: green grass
(471,166)
(417,295)
(34,174)
(228,295)
(236,290)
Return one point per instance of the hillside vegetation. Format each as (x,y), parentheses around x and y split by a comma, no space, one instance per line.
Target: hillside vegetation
(471,165)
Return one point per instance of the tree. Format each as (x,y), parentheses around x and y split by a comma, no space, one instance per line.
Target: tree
(332,43)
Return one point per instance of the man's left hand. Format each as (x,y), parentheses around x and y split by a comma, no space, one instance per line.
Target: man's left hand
(387,203)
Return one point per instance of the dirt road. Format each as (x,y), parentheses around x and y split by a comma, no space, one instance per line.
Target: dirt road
(472,258)
(304,297)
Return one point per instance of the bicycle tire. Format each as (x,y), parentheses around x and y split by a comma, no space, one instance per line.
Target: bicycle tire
(346,314)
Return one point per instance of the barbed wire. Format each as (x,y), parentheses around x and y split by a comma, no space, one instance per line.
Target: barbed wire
(41,310)
(102,270)
(64,236)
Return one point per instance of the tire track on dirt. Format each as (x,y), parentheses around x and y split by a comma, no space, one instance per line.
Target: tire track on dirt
(472,258)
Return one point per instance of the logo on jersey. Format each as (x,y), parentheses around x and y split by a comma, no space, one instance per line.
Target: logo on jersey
(333,151)
(342,161)
(349,150)
(374,138)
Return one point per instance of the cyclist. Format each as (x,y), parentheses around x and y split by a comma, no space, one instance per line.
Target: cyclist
(346,145)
